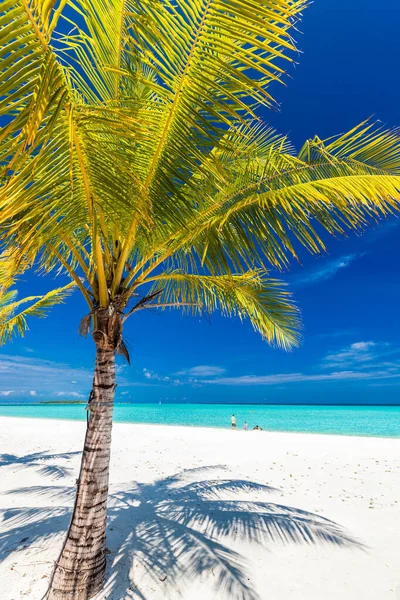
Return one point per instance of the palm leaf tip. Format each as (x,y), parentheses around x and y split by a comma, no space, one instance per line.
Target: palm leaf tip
(13,321)
(335,186)
(251,295)
(278,318)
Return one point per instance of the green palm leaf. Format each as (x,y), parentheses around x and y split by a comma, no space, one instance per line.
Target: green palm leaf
(263,301)
(273,198)
(13,320)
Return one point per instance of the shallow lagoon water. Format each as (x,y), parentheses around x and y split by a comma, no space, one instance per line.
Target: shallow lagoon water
(377,421)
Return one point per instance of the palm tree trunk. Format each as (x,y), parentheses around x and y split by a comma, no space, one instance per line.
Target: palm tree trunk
(79,571)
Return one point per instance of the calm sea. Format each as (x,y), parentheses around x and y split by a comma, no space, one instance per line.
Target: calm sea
(378,421)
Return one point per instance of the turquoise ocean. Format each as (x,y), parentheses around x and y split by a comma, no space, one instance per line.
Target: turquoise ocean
(377,421)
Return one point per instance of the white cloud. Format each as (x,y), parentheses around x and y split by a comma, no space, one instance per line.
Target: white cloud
(362,345)
(202,371)
(32,392)
(362,360)
(358,352)
(6,392)
(70,394)
(24,374)
(359,361)
(155,376)
(280,378)
(327,271)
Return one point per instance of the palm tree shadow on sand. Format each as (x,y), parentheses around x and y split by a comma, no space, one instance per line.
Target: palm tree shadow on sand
(41,462)
(177,531)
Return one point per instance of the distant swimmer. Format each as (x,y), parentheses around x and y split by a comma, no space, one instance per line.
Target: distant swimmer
(245,426)
(233,421)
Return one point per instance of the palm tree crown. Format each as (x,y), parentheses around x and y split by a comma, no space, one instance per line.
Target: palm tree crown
(132,159)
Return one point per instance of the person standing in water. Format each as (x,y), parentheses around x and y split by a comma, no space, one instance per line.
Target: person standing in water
(245,426)
(233,421)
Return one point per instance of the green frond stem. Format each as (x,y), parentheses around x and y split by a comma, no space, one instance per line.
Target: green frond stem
(177,96)
(35,25)
(104,233)
(57,14)
(143,278)
(126,249)
(153,305)
(74,276)
(84,173)
(76,248)
(101,275)
(96,243)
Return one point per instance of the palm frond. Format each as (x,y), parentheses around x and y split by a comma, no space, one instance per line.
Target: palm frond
(13,321)
(208,61)
(273,199)
(263,301)
(7,298)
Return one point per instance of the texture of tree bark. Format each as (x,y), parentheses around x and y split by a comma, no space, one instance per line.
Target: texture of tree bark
(79,572)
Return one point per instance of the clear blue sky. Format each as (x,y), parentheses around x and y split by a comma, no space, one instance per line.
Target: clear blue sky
(348,70)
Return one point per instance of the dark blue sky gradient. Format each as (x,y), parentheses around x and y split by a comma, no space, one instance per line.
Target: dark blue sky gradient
(348,71)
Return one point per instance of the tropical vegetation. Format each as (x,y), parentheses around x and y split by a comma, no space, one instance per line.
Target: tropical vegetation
(132,160)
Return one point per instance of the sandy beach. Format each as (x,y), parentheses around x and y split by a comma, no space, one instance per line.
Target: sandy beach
(209,514)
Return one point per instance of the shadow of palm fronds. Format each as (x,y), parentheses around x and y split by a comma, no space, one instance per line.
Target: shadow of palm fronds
(40,461)
(177,531)
(25,527)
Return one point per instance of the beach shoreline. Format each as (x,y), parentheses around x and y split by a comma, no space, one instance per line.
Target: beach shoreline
(215,428)
(354,421)
(208,513)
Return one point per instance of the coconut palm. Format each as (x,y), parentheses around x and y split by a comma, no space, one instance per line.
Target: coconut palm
(132,160)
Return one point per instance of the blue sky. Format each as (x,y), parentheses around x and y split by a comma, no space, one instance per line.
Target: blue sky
(348,71)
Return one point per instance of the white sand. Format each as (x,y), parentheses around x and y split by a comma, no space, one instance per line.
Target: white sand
(192,515)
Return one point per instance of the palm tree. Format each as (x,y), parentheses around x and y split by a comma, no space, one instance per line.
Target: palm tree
(132,160)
